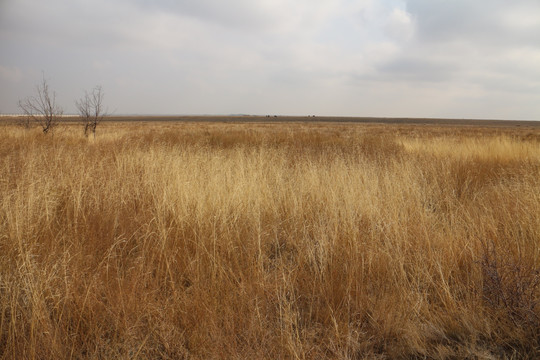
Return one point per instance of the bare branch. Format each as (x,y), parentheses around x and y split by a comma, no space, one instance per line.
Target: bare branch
(90,109)
(42,108)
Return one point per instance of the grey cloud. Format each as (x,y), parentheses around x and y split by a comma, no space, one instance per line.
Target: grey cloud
(418,69)
(474,21)
(440,20)
(73,25)
(242,14)
(276,56)
(511,85)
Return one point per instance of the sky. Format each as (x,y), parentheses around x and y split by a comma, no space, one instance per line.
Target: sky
(389,58)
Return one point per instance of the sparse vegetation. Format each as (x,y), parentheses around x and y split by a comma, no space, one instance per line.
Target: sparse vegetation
(255,241)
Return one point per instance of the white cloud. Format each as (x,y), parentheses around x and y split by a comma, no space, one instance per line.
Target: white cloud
(523,17)
(399,25)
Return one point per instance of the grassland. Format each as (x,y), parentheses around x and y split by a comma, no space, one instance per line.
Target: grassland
(270,241)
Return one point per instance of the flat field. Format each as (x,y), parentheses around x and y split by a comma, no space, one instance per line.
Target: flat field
(290,240)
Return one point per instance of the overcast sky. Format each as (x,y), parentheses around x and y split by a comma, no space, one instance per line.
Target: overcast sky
(406,58)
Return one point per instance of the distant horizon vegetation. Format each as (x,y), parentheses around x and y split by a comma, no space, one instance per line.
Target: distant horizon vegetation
(347,118)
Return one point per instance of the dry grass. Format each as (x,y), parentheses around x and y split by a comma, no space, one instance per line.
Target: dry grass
(286,241)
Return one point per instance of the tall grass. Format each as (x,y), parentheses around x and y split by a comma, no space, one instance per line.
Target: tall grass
(269,241)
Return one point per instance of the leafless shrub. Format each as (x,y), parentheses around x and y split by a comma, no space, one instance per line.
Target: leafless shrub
(91,110)
(41,108)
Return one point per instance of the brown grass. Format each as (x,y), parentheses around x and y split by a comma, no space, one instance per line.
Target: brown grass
(284,241)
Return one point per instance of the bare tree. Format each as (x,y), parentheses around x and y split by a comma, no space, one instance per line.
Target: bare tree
(91,110)
(42,108)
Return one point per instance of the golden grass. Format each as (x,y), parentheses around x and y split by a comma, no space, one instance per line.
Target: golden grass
(289,241)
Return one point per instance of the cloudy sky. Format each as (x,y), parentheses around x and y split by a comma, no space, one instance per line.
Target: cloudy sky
(406,58)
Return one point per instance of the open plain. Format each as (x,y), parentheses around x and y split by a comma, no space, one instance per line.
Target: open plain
(277,240)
